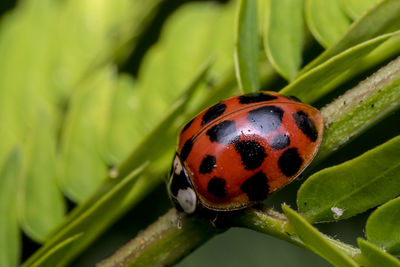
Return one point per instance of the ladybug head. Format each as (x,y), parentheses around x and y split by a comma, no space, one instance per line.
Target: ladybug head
(180,188)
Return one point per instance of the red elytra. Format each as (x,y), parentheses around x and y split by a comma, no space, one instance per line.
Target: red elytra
(242,149)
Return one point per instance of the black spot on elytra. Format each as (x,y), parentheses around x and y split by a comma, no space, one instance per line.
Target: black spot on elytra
(266,119)
(290,162)
(216,186)
(255,98)
(306,125)
(187,147)
(207,164)
(256,187)
(187,125)
(213,113)
(251,152)
(224,132)
(280,141)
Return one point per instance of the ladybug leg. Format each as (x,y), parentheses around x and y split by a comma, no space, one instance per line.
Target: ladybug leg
(214,220)
(179,215)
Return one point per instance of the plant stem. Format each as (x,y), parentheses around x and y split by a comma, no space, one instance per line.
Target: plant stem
(175,235)
(268,221)
(166,241)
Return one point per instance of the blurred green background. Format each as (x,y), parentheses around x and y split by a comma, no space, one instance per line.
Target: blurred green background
(81,84)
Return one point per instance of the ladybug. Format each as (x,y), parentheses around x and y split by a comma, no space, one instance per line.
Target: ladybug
(240,150)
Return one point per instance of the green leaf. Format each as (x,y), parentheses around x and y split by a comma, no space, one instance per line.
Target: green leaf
(51,45)
(247,54)
(19,98)
(380,55)
(9,232)
(326,21)
(382,228)
(383,18)
(52,258)
(152,149)
(87,124)
(316,241)
(48,61)
(82,155)
(356,8)
(284,36)
(124,131)
(173,61)
(41,205)
(350,188)
(312,85)
(376,256)
(90,222)
(112,29)
(360,108)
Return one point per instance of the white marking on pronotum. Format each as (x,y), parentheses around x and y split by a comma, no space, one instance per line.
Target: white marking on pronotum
(337,212)
(187,199)
(177,165)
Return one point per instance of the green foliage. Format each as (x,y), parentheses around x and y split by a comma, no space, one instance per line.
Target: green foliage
(316,241)
(376,256)
(283,38)
(356,8)
(320,15)
(38,188)
(72,124)
(247,56)
(381,228)
(87,225)
(377,21)
(53,256)
(351,188)
(361,107)
(83,155)
(9,232)
(321,79)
